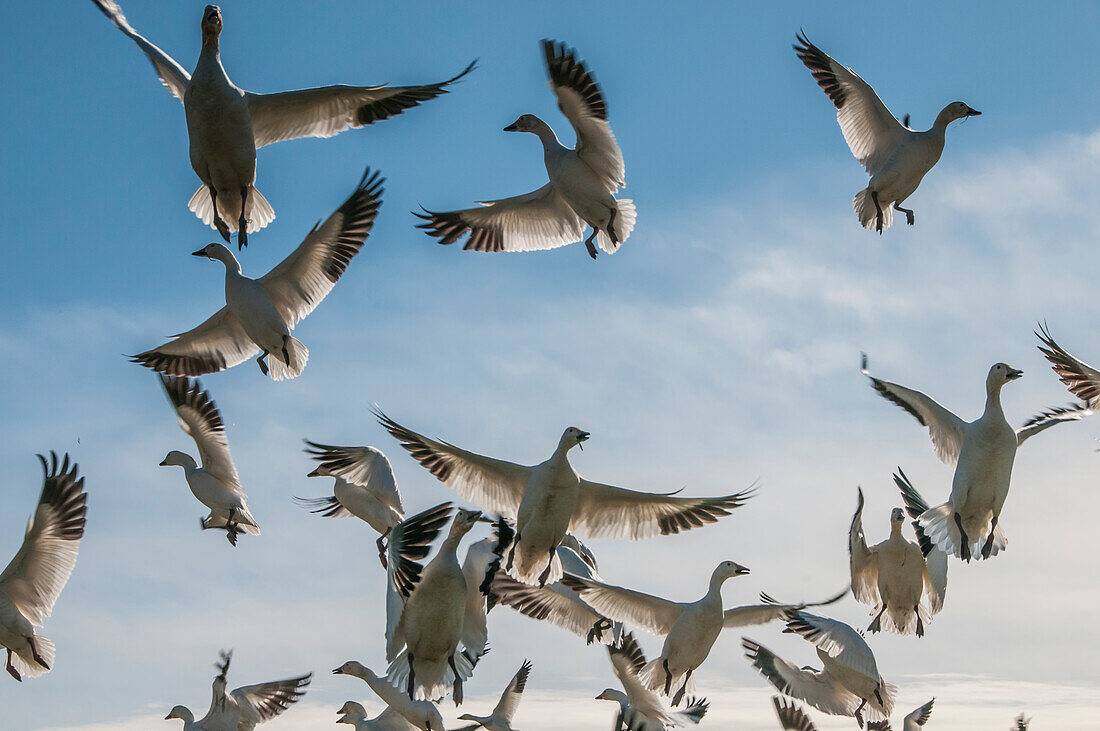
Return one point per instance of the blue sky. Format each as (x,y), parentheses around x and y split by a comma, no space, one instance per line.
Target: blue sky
(719,346)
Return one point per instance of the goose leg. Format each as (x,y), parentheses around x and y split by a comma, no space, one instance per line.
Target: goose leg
(876,623)
(231,527)
(668,676)
(611,227)
(596,633)
(588,243)
(859,711)
(964,548)
(412,677)
(218,222)
(683,688)
(286,353)
(878,697)
(242,222)
(512,554)
(381,543)
(260,362)
(457,693)
(878,221)
(549,565)
(988,547)
(920,622)
(34,653)
(11,669)
(910,218)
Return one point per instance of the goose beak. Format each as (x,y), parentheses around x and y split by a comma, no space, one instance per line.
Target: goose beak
(315,473)
(168,717)
(337,671)
(1013,374)
(200,252)
(739,570)
(582,438)
(163,463)
(513,127)
(973,113)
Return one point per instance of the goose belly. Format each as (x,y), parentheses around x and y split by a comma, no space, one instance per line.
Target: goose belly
(367,508)
(855,681)
(212,493)
(905,170)
(689,642)
(260,320)
(14,627)
(582,189)
(434,617)
(219,131)
(983,475)
(901,577)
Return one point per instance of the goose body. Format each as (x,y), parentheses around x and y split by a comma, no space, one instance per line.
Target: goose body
(364,486)
(505,710)
(640,709)
(423,715)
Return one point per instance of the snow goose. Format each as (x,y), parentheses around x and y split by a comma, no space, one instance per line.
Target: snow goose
(548,500)
(260,313)
(896,157)
(422,640)
(215,484)
(226,125)
(389,720)
(913,722)
(791,717)
(247,706)
(583,180)
(1082,380)
(689,628)
(849,680)
(556,602)
(1022,723)
(501,717)
(894,577)
(365,487)
(982,452)
(421,714)
(640,709)
(33,580)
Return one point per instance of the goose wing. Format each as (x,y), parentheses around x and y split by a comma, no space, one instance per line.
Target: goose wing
(298,284)
(554,603)
(1082,379)
(481,558)
(42,566)
(365,467)
(264,701)
(1051,417)
(409,543)
(791,717)
(918,717)
(200,419)
(493,484)
(836,639)
(213,346)
(871,131)
(946,429)
(935,560)
(769,611)
(509,701)
(807,684)
(604,511)
(171,74)
(863,561)
(626,605)
(531,222)
(580,100)
(326,111)
(628,661)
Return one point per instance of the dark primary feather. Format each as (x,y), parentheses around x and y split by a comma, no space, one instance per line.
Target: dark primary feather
(329,507)
(916,506)
(64,492)
(696,708)
(565,70)
(414,537)
(1074,373)
(629,649)
(763,660)
(820,65)
(406,98)
(707,510)
(449,227)
(887,394)
(188,393)
(791,717)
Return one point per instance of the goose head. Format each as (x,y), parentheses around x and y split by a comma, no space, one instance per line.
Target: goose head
(897,516)
(176,458)
(728,570)
(956,110)
(183,713)
(321,471)
(220,253)
(353,667)
(573,437)
(610,694)
(999,375)
(211,23)
(464,520)
(351,713)
(526,123)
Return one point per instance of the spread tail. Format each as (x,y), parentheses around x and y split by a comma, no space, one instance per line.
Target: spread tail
(434,679)
(260,212)
(939,525)
(528,569)
(24,663)
(299,356)
(868,215)
(625,219)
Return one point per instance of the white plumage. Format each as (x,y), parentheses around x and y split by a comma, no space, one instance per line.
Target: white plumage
(505,710)
(421,714)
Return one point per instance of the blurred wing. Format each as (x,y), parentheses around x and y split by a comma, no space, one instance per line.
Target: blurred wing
(199,418)
(1050,417)
(1082,379)
(809,685)
(554,603)
(791,717)
(35,577)
(836,639)
(509,701)
(626,605)
(213,346)
(365,467)
(871,131)
(604,511)
(863,561)
(532,222)
(493,484)
(171,74)
(580,100)
(329,110)
(628,661)
(935,579)
(299,283)
(946,429)
(919,717)
(268,700)
(770,610)
(475,569)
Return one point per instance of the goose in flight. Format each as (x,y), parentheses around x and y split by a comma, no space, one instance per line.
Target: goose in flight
(215,484)
(849,680)
(640,709)
(260,313)
(913,722)
(354,714)
(582,186)
(226,125)
(501,717)
(244,708)
(690,629)
(791,717)
(896,157)
(1082,380)
(550,499)
(33,580)
(421,714)
(982,452)
(365,487)
(433,619)
(894,577)
(1022,723)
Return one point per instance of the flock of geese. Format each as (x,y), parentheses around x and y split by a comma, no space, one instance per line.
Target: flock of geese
(534,561)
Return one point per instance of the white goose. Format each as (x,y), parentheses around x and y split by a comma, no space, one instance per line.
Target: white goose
(215,484)
(548,500)
(894,577)
(690,629)
(849,680)
(583,180)
(913,722)
(33,580)
(421,714)
(354,714)
(982,452)
(501,717)
(423,635)
(791,717)
(244,708)
(260,313)
(226,125)
(640,709)
(896,157)
(364,487)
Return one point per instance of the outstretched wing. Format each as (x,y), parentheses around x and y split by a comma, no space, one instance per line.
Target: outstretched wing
(509,701)
(946,429)
(836,639)
(171,74)
(871,131)
(791,717)
(42,566)
(919,716)
(1080,378)
(264,701)
(769,611)
(199,418)
(604,511)
(812,686)
(626,605)
(213,346)
(365,467)
(862,560)
(1050,417)
(329,110)
(409,543)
